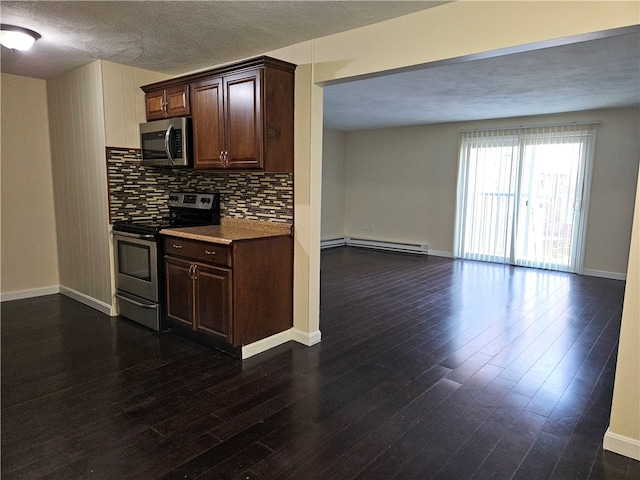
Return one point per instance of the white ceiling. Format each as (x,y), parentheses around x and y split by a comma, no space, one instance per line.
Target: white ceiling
(176,37)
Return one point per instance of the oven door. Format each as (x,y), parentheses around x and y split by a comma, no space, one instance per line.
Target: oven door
(136,264)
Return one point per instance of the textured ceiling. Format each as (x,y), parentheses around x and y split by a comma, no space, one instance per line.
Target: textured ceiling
(592,74)
(176,37)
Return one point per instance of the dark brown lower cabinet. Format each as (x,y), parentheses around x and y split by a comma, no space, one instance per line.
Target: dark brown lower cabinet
(198,296)
(179,296)
(238,293)
(212,301)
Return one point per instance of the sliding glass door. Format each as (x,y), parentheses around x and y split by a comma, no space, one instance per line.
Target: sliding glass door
(521,196)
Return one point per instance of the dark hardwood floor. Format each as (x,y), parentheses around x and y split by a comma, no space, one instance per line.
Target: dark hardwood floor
(428,368)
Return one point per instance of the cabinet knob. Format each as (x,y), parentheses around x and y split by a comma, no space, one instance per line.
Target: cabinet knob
(209,252)
(176,246)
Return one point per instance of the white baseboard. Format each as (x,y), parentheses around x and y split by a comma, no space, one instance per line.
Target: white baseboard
(87,300)
(604,274)
(278,339)
(265,344)
(31,293)
(629,447)
(305,338)
(440,253)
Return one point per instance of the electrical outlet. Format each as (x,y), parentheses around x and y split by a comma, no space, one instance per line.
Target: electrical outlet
(364,225)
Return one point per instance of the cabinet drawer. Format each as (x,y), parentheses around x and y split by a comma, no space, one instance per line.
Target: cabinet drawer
(200,251)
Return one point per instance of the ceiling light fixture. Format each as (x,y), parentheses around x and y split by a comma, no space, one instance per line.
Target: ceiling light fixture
(17,38)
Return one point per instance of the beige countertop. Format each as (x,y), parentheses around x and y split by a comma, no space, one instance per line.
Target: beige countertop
(230,230)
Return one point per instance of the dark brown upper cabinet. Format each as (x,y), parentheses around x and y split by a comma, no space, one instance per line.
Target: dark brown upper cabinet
(227,122)
(242,115)
(167,102)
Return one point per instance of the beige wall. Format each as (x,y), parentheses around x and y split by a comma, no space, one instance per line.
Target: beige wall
(28,231)
(307,192)
(623,435)
(462,28)
(401,183)
(333,184)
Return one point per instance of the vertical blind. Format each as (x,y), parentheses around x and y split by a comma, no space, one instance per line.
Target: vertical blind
(522,195)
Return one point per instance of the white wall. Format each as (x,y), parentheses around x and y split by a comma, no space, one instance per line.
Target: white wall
(333,184)
(28,227)
(401,184)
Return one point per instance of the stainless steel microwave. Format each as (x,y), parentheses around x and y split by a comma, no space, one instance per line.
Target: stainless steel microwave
(166,142)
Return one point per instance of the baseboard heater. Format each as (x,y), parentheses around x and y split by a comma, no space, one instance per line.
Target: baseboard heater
(377,245)
(334,242)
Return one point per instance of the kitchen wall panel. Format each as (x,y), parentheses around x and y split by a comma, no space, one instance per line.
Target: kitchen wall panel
(124,107)
(29,251)
(76,118)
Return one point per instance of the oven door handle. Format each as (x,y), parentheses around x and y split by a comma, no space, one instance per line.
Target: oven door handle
(137,304)
(134,235)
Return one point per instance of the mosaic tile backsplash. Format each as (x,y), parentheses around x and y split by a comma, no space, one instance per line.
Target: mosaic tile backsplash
(137,192)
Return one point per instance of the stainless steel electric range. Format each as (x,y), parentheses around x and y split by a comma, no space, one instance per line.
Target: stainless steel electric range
(139,256)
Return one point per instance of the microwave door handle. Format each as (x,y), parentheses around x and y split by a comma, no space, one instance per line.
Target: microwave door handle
(167,147)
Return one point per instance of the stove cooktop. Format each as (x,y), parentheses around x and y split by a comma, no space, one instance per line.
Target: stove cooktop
(186,209)
(154,226)
(141,226)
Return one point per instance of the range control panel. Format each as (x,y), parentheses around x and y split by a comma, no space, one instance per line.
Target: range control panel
(200,201)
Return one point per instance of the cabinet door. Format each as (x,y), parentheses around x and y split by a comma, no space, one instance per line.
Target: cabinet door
(170,102)
(208,123)
(243,120)
(213,301)
(155,105)
(177,101)
(179,288)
